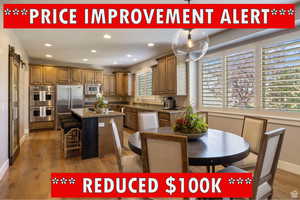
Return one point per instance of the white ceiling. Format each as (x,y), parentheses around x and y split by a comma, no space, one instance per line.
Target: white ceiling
(72,45)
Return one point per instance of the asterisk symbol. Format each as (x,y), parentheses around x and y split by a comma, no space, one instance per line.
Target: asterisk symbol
(274,12)
(282,12)
(24,11)
(72,181)
(63,181)
(231,181)
(15,12)
(239,181)
(55,181)
(291,12)
(248,180)
(7,12)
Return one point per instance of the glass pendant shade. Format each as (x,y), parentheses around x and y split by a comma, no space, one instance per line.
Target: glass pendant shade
(192,44)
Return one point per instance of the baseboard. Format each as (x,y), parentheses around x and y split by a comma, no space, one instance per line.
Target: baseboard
(22,140)
(290,167)
(4,168)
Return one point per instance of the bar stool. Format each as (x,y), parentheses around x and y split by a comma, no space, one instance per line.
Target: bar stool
(72,141)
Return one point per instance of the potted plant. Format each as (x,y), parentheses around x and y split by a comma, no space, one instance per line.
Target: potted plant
(100,105)
(190,124)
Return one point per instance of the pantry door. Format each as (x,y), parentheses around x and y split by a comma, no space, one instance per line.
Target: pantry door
(14,137)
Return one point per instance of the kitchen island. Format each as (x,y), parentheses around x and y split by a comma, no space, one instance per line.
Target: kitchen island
(96,136)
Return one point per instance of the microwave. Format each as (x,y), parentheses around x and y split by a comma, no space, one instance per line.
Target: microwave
(92,89)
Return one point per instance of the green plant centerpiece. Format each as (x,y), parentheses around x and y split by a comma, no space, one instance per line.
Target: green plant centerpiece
(100,105)
(190,124)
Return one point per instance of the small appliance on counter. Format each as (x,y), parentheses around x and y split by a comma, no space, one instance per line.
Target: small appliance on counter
(169,103)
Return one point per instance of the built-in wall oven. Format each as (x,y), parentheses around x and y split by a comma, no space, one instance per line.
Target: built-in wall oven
(42,103)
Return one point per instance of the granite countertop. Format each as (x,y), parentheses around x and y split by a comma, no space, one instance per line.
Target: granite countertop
(86,113)
(154,108)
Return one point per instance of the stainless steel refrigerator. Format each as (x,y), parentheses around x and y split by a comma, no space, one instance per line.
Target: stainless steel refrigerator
(68,97)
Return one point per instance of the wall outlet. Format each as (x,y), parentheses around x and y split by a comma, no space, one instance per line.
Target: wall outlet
(101,124)
(26,131)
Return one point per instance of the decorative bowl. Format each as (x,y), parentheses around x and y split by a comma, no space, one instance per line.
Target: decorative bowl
(191,136)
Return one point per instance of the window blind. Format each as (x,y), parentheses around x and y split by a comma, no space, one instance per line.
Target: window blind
(212,83)
(281,76)
(144,84)
(240,79)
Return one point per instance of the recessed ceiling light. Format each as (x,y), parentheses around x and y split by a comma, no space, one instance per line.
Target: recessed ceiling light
(106,36)
(48,45)
(85,59)
(129,56)
(93,51)
(48,56)
(135,59)
(115,62)
(151,44)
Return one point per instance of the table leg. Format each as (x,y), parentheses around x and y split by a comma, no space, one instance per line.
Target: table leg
(213,169)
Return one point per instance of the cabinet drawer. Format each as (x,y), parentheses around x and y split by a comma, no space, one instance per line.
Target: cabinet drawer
(164,123)
(165,116)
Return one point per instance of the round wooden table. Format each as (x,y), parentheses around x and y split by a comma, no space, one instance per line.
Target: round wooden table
(216,147)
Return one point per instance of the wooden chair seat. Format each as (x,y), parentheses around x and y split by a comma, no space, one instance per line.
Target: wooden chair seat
(132,164)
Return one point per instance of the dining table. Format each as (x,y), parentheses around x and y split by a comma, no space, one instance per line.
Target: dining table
(215,147)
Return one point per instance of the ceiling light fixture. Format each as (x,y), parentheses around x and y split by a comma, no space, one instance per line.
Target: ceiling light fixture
(129,56)
(48,56)
(190,43)
(115,62)
(151,44)
(85,59)
(135,59)
(93,51)
(106,36)
(47,45)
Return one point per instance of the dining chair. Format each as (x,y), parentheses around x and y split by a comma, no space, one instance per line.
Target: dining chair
(204,115)
(126,164)
(266,164)
(147,120)
(164,153)
(253,130)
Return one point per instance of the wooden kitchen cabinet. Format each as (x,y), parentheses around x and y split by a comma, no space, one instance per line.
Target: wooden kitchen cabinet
(62,75)
(89,77)
(124,85)
(49,75)
(170,77)
(109,85)
(98,77)
(36,74)
(76,76)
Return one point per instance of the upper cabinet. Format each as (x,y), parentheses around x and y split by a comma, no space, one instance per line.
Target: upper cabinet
(36,74)
(109,85)
(89,77)
(124,84)
(169,77)
(76,76)
(62,75)
(98,77)
(50,75)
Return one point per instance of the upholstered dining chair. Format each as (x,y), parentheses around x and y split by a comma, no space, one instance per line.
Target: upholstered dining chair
(147,120)
(253,130)
(204,115)
(164,153)
(266,164)
(127,164)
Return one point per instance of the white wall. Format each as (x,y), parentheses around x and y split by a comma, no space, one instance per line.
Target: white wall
(7,37)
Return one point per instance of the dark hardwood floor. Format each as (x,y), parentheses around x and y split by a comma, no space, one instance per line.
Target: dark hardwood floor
(41,154)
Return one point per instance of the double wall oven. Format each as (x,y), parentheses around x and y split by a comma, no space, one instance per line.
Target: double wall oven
(42,103)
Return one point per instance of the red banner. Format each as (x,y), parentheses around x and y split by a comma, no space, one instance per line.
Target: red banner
(141,185)
(149,15)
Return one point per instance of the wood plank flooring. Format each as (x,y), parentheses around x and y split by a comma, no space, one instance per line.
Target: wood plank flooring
(41,154)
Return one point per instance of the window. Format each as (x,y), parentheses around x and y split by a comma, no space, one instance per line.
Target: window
(240,79)
(144,83)
(212,83)
(281,76)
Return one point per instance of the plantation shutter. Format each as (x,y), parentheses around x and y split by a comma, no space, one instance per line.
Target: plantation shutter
(281,76)
(144,83)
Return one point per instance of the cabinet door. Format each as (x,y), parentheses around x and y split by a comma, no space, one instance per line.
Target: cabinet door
(50,75)
(171,75)
(36,75)
(162,76)
(89,77)
(98,77)
(76,76)
(62,75)
(106,85)
(155,80)
(119,84)
(125,85)
(112,85)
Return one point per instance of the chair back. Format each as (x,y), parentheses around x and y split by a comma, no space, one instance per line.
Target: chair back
(117,144)
(164,153)
(253,130)
(147,120)
(267,163)
(203,115)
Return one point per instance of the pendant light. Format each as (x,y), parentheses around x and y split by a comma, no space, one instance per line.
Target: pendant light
(192,44)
